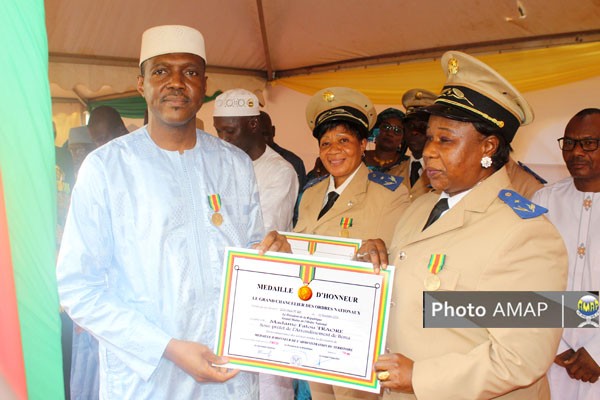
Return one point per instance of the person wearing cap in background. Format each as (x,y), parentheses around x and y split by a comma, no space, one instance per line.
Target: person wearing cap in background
(574,208)
(415,129)
(236,120)
(105,124)
(80,145)
(350,201)
(151,213)
(389,152)
(474,234)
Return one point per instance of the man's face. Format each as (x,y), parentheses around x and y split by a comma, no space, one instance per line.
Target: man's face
(236,130)
(584,166)
(174,86)
(415,129)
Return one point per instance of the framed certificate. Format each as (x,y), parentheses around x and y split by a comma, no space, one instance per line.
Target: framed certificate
(322,246)
(304,317)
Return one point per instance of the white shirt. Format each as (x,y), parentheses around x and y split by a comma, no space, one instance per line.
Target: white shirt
(576,215)
(278,189)
(339,190)
(141,262)
(412,159)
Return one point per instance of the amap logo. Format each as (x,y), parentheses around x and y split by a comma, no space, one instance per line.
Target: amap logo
(587,308)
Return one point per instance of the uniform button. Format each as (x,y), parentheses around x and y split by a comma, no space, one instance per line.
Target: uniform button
(388,350)
(402,256)
(350,204)
(392,303)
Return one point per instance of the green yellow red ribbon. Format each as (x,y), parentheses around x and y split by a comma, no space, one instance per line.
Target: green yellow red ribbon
(307,273)
(346,222)
(214,200)
(436,263)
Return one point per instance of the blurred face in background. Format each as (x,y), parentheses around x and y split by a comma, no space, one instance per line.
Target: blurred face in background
(415,129)
(391,132)
(582,153)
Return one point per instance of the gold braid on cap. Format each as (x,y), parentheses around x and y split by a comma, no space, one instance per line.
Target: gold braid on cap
(500,124)
(339,112)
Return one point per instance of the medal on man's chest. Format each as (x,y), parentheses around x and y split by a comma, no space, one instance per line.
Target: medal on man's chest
(345,224)
(214,200)
(436,263)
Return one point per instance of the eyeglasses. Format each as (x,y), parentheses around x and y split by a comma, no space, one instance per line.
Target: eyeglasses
(391,128)
(568,144)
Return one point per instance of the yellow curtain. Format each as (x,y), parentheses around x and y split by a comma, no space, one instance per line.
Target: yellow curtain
(66,116)
(527,70)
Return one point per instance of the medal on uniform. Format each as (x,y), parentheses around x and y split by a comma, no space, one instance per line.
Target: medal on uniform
(345,224)
(436,263)
(307,274)
(214,200)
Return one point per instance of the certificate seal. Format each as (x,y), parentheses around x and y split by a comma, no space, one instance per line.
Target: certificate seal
(216,219)
(432,282)
(305,293)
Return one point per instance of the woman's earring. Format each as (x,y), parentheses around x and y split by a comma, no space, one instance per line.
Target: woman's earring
(486,161)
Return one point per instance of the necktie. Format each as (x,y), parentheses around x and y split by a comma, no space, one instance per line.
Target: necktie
(440,207)
(415,166)
(331,198)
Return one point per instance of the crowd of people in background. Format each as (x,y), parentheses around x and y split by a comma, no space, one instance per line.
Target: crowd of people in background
(141,248)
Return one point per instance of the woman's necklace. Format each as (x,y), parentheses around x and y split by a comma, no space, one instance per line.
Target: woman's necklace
(382,163)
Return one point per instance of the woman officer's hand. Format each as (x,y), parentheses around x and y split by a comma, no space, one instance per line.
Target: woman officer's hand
(394,371)
(374,251)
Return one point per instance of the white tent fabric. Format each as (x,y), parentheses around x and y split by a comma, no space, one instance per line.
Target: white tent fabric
(278,37)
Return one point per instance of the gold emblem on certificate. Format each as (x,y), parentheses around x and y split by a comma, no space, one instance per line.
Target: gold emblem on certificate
(214,200)
(305,293)
(436,263)
(345,224)
(307,274)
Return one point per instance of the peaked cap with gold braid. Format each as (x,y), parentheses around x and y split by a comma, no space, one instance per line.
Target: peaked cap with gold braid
(475,92)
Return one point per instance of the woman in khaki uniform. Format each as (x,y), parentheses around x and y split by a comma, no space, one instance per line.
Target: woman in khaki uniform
(368,204)
(490,242)
(389,150)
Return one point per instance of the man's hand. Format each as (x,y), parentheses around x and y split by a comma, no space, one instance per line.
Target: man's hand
(374,251)
(399,376)
(273,242)
(581,366)
(564,356)
(196,360)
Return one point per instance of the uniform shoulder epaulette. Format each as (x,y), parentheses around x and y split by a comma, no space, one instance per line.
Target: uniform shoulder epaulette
(532,173)
(388,181)
(314,181)
(520,205)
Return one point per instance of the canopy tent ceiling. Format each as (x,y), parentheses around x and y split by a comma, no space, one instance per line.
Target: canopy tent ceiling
(269,39)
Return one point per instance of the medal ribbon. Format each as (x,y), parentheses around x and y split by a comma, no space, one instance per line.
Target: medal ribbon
(307,273)
(214,200)
(436,263)
(346,222)
(312,247)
